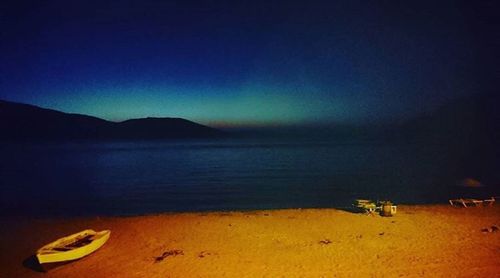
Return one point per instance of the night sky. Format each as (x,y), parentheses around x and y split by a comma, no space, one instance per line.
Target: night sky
(247,63)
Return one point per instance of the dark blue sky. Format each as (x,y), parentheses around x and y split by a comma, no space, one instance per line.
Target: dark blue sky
(247,63)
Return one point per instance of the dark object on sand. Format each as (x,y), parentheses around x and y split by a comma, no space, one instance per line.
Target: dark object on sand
(203,254)
(491,229)
(325,241)
(167,254)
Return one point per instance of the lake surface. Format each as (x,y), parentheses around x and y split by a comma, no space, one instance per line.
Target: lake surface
(127,178)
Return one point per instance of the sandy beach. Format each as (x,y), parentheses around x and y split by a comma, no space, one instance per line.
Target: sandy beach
(419,241)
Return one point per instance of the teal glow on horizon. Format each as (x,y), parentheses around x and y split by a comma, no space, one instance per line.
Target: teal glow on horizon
(244,106)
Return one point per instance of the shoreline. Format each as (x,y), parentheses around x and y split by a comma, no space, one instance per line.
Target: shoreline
(419,241)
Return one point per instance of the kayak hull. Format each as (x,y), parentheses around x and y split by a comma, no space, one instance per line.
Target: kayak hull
(63,249)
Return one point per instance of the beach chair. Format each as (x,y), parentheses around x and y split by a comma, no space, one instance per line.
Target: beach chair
(472,202)
(489,201)
(367,206)
(464,202)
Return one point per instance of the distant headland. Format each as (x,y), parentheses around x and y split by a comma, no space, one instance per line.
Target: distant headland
(24,122)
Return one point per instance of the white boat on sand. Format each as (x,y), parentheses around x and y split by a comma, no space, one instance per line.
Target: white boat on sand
(72,247)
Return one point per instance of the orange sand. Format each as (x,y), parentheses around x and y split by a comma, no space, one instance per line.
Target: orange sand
(420,241)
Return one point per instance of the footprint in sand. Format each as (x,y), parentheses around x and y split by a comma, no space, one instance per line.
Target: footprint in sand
(325,241)
(203,254)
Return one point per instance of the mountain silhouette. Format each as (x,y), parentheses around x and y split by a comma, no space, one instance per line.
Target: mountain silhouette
(24,122)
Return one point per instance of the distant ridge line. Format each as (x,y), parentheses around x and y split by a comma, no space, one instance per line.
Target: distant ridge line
(26,122)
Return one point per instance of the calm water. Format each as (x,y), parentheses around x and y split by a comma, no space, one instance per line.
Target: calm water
(147,177)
